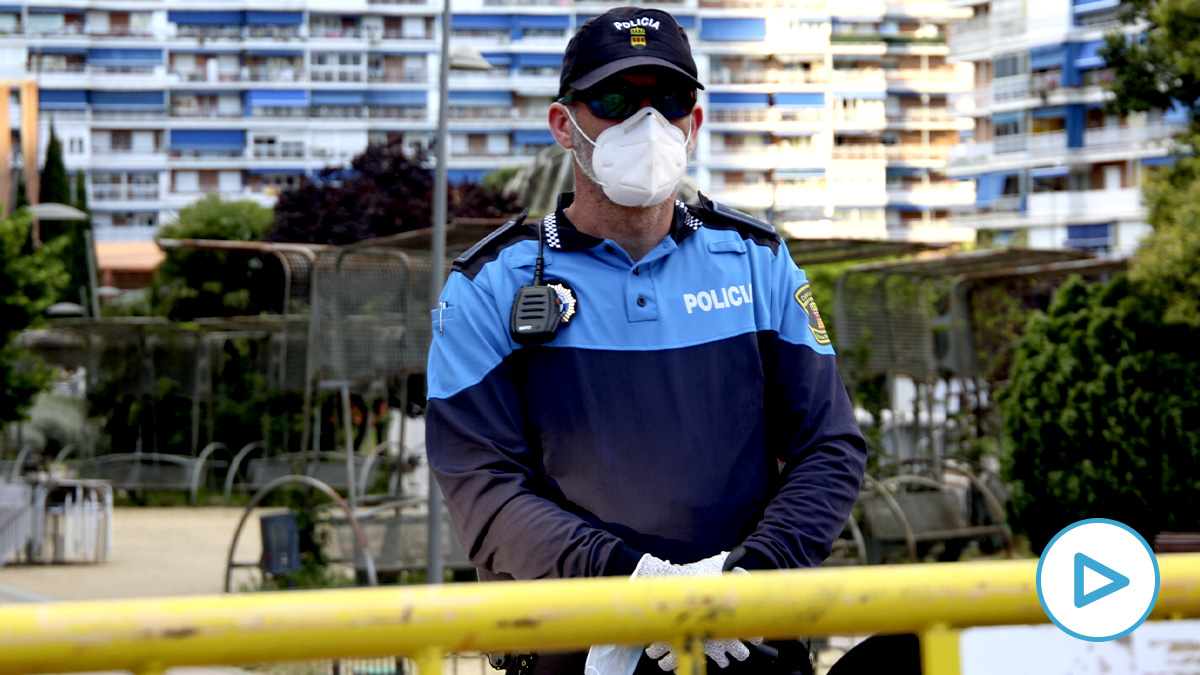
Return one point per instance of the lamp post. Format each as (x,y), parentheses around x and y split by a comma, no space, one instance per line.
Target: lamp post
(463,58)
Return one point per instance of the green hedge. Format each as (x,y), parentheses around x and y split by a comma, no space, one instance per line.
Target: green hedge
(1103,409)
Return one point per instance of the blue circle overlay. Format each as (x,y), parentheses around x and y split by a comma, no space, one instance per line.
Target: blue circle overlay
(1042,599)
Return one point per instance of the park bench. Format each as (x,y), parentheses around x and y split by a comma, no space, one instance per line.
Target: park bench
(1177,542)
(398,534)
(151,471)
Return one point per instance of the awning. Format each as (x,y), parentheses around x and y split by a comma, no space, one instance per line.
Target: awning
(799,174)
(1051,112)
(1165,160)
(286,53)
(546,22)
(207,18)
(327,97)
(128,100)
(128,256)
(541,137)
(480,21)
(862,95)
(1089,237)
(733,30)
(409,98)
(990,186)
(125,57)
(56,49)
(906,171)
(274,18)
(1089,56)
(277,98)
(1050,172)
(10,9)
(538,60)
(277,171)
(55,10)
(481,98)
(1047,58)
(62,99)
(208,139)
(729,100)
(496,59)
(1006,118)
(465,175)
(800,100)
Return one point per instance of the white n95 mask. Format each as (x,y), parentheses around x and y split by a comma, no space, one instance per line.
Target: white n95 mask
(638,162)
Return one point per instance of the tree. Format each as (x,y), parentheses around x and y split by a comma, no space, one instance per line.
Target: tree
(1103,410)
(193,283)
(29,283)
(56,184)
(1157,64)
(1167,266)
(385,191)
(56,189)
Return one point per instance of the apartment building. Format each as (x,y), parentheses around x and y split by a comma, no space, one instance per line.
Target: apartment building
(828,119)
(1052,169)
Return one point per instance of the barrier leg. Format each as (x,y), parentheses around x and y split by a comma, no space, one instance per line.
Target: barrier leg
(939,651)
(429,661)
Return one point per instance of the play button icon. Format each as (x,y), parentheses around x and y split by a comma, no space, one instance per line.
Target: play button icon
(1083,565)
(1097,580)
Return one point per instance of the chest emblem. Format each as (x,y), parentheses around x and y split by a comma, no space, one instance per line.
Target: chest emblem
(568,303)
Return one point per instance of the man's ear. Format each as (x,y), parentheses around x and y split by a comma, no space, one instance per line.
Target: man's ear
(560,125)
(697,119)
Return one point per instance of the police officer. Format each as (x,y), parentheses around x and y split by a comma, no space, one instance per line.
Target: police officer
(633,386)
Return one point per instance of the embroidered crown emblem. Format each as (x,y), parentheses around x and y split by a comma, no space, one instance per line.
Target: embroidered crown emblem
(637,37)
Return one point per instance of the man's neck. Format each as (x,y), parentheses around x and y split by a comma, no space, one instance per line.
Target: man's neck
(636,230)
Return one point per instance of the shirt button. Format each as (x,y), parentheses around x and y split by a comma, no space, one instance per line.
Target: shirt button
(641,302)
(637,271)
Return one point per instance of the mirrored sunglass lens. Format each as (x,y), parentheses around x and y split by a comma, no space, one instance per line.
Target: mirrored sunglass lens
(676,105)
(611,105)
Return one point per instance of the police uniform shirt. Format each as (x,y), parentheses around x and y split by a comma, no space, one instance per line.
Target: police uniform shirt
(656,420)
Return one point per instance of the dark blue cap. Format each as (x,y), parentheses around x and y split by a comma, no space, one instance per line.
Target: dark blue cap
(624,38)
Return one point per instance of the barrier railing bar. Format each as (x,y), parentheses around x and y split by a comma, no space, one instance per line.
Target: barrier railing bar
(933,600)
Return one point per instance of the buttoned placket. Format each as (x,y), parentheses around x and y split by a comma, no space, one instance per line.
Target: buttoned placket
(639,295)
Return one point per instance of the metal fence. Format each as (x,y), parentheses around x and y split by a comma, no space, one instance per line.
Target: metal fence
(16,519)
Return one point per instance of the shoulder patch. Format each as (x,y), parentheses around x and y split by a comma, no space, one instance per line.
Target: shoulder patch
(487,248)
(713,214)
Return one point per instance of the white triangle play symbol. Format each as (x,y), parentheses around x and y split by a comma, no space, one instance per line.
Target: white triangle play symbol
(1093,580)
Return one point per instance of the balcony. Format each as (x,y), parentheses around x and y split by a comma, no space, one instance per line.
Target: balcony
(810,5)
(109,151)
(938,195)
(205,112)
(765,157)
(121,31)
(767,76)
(944,79)
(1125,137)
(929,118)
(204,76)
(410,75)
(399,34)
(124,193)
(273,74)
(1084,206)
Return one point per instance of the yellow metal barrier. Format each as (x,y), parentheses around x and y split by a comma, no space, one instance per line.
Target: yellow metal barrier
(425,622)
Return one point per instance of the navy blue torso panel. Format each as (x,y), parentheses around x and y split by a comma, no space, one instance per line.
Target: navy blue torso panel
(657,417)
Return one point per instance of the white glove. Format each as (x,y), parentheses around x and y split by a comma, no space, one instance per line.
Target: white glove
(649,567)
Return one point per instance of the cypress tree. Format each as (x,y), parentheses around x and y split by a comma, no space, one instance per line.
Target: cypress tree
(56,188)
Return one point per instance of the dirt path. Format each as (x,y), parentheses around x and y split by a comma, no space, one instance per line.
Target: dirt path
(156,552)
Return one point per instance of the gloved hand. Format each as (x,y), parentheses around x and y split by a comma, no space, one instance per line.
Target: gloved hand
(649,567)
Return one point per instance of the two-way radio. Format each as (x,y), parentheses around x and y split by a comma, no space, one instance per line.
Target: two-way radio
(535,313)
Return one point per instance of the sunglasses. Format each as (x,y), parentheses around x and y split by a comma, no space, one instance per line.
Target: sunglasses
(617,101)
